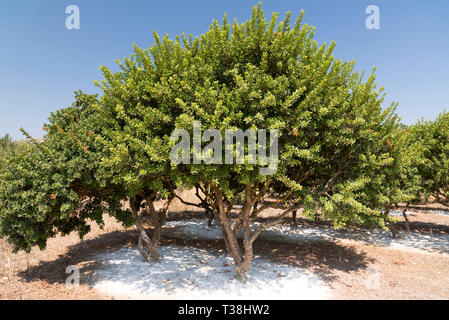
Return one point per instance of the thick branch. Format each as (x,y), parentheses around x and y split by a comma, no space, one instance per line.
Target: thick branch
(189,203)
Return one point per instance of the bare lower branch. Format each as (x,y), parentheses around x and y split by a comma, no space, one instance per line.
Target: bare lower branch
(189,203)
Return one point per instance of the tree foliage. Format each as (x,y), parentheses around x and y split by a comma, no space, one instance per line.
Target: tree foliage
(334,136)
(341,155)
(433,136)
(8,147)
(53,186)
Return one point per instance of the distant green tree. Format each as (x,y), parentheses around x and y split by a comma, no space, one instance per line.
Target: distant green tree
(398,181)
(8,146)
(434,169)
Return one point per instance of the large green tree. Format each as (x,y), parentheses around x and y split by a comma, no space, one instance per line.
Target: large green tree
(93,159)
(336,144)
(334,136)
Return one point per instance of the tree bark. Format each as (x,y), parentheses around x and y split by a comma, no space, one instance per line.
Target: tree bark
(210,216)
(146,246)
(243,256)
(295,222)
(407,224)
(230,239)
(394,231)
(390,224)
(247,241)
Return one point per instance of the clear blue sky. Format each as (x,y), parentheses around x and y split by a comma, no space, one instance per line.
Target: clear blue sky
(42,63)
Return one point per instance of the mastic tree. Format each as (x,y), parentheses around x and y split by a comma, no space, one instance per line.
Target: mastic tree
(334,139)
(90,162)
(396,179)
(332,130)
(433,135)
(137,121)
(405,176)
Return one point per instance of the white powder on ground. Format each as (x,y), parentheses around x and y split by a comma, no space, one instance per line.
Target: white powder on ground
(194,273)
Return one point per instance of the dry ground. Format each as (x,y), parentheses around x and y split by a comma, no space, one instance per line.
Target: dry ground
(42,274)
(344,265)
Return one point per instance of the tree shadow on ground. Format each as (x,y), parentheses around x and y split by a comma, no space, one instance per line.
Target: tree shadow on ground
(424,227)
(81,254)
(320,257)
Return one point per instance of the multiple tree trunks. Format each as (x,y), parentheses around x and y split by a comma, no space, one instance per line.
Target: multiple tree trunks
(391,225)
(243,255)
(206,202)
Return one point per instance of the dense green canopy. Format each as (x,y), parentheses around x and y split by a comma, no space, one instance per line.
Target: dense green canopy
(341,155)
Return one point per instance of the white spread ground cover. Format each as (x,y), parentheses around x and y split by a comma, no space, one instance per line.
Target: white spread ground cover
(194,273)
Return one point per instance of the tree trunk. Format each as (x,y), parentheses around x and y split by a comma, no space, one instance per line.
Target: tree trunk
(295,222)
(247,239)
(407,224)
(247,259)
(210,216)
(392,227)
(390,224)
(151,248)
(157,221)
(255,207)
(230,239)
(148,245)
(242,256)
(147,248)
